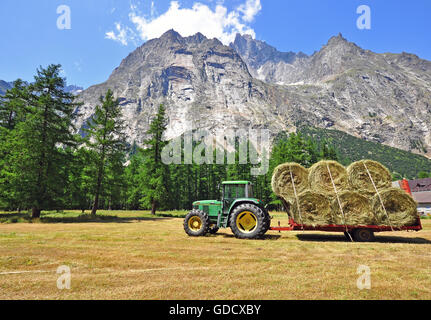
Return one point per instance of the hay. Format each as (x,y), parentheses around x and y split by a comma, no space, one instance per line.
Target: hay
(319,178)
(400,207)
(315,209)
(282,183)
(361,205)
(356,208)
(360,180)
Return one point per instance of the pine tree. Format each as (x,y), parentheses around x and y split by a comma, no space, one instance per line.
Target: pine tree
(327,151)
(134,193)
(106,138)
(154,174)
(81,182)
(12,112)
(13,105)
(40,124)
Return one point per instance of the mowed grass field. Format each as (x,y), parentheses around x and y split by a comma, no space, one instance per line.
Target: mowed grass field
(132,255)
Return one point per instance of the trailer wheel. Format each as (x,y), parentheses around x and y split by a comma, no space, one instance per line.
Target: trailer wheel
(363,235)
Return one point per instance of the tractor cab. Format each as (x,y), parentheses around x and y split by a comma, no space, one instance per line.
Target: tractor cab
(233,191)
(237,209)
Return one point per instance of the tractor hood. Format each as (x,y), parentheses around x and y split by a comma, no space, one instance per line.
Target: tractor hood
(207,202)
(257,201)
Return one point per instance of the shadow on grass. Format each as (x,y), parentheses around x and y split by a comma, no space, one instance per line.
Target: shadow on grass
(379,239)
(265,237)
(83,218)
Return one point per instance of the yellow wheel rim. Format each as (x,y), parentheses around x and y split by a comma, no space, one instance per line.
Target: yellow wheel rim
(246,222)
(195,223)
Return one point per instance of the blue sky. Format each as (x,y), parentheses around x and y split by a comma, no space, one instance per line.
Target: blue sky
(103,32)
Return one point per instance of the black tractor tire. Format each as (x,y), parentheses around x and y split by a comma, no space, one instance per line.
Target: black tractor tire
(267,221)
(253,230)
(363,235)
(196,223)
(213,229)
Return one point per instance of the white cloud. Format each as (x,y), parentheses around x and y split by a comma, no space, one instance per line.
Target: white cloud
(250,9)
(123,35)
(213,23)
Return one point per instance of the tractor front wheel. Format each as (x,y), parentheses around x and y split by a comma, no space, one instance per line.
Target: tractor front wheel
(248,221)
(196,223)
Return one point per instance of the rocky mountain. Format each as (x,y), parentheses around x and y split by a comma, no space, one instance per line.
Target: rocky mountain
(75,90)
(4,86)
(266,63)
(384,98)
(202,83)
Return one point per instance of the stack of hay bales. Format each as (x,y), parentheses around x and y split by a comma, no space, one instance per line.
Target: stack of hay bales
(315,195)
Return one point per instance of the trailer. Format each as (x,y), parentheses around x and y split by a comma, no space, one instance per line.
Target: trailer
(357,233)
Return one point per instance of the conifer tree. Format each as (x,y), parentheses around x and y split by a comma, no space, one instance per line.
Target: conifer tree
(154,174)
(105,137)
(40,120)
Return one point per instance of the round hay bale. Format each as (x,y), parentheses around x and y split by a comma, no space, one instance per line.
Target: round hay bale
(360,180)
(282,182)
(356,208)
(315,209)
(319,178)
(400,207)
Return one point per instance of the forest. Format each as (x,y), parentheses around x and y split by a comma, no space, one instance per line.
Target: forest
(46,165)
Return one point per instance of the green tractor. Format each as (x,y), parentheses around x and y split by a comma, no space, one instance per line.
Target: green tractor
(245,215)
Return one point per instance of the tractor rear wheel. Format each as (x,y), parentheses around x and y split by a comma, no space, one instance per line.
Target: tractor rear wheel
(267,221)
(248,221)
(196,223)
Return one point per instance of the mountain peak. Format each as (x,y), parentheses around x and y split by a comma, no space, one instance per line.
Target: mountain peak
(257,53)
(172,35)
(340,41)
(240,36)
(337,39)
(197,38)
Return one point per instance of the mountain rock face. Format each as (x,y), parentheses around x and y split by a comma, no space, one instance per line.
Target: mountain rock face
(203,84)
(384,98)
(4,86)
(266,63)
(75,90)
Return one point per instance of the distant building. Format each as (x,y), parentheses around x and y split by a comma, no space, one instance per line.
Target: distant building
(421,192)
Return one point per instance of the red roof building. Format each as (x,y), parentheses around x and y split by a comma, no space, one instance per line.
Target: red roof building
(421,192)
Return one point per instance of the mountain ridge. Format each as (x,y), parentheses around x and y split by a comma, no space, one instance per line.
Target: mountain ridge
(385,98)
(74,89)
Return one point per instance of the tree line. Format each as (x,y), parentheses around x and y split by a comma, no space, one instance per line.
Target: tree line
(46,165)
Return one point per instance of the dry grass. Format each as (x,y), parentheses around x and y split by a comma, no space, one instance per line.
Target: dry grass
(152,258)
